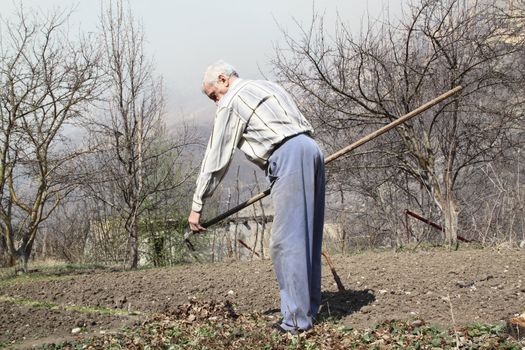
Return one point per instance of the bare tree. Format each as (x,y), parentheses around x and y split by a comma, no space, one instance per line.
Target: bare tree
(47,80)
(136,158)
(350,85)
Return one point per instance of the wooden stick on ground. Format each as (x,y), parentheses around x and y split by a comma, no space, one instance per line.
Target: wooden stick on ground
(340,286)
(248,247)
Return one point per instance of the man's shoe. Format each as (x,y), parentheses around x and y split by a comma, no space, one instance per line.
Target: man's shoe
(279,328)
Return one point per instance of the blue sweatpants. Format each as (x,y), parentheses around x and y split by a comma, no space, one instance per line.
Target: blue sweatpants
(296,171)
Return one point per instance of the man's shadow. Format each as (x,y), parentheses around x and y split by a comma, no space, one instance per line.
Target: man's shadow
(336,305)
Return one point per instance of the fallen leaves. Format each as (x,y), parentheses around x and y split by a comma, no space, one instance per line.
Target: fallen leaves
(216,325)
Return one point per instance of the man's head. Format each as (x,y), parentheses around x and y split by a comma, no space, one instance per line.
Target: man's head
(217,80)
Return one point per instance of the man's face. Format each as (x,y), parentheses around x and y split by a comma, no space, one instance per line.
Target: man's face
(215,93)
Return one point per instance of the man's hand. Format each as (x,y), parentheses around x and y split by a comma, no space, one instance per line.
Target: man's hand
(194,221)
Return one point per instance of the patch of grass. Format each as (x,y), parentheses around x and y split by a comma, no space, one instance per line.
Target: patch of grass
(47,271)
(100,310)
(53,306)
(6,281)
(29,303)
(57,269)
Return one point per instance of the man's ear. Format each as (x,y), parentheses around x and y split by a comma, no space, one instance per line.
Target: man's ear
(223,80)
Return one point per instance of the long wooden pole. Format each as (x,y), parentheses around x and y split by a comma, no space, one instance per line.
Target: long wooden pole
(392,125)
(336,155)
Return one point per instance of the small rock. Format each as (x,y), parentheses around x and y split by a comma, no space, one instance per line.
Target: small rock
(120,301)
(418,323)
(231,292)
(365,310)
(76,330)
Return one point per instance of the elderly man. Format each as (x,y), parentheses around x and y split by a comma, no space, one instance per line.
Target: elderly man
(260,118)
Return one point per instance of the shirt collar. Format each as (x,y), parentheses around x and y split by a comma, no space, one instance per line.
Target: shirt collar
(232,91)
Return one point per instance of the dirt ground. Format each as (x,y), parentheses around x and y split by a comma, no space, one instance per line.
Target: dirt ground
(440,287)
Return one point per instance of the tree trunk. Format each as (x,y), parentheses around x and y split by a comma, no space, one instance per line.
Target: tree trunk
(23,260)
(23,254)
(133,244)
(450,214)
(5,257)
(447,205)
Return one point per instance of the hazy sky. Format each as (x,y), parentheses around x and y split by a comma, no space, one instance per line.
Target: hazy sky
(184,37)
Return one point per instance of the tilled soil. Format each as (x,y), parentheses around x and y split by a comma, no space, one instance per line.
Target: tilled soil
(440,287)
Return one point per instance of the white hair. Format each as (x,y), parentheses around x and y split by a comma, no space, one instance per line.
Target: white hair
(212,73)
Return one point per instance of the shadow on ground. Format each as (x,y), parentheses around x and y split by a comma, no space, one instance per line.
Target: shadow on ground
(337,305)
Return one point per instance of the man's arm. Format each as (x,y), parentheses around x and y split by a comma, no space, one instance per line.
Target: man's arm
(227,132)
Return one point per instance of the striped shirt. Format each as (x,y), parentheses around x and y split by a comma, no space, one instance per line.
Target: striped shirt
(254,116)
